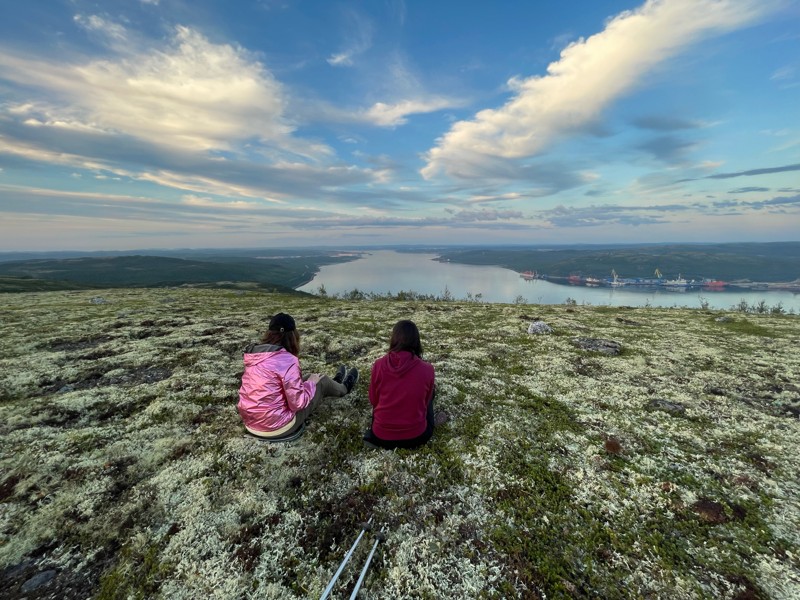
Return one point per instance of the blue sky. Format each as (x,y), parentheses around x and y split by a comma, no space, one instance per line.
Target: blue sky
(177,123)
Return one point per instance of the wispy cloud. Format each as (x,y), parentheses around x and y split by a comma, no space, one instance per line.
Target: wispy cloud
(786,77)
(359,40)
(112,33)
(485,215)
(784,73)
(392,222)
(639,215)
(390,115)
(121,207)
(398,10)
(590,75)
(748,190)
(597,215)
(109,153)
(666,123)
(752,172)
(668,148)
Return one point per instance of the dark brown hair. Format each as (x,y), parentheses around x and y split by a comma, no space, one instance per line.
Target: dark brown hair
(405,336)
(288,339)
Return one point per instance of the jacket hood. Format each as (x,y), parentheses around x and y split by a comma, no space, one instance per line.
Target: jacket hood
(401,362)
(255,353)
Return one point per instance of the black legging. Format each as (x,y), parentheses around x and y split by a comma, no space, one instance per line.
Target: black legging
(416,442)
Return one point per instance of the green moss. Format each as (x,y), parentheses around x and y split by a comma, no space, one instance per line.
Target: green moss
(532,532)
(137,575)
(747,327)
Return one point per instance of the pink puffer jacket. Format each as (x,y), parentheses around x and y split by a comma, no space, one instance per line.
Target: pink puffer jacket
(272,388)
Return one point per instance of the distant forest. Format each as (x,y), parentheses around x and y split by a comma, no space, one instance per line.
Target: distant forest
(279,272)
(763,262)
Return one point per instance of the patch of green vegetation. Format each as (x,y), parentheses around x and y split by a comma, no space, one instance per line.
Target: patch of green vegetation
(748,327)
(137,575)
(535,525)
(31,284)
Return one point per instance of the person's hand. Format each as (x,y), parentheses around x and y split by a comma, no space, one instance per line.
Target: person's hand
(314,377)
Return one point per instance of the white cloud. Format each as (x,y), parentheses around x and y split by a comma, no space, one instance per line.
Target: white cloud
(380,114)
(206,202)
(192,94)
(589,76)
(343,59)
(485,198)
(391,115)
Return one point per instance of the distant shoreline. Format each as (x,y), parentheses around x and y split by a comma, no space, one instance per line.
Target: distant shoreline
(750,286)
(745,267)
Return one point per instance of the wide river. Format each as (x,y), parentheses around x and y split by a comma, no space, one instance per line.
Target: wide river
(386,271)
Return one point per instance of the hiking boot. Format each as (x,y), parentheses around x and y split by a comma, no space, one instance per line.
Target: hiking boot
(351,380)
(340,374)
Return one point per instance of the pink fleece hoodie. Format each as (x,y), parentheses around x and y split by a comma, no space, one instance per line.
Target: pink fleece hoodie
(272,388)
(401,386)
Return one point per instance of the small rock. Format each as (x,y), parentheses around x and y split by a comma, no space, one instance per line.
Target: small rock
(667,406)
(67,388)
(98,300)
(539,327)
(609,347)
(441,418)
(723,319)
(38,580)
(629,322)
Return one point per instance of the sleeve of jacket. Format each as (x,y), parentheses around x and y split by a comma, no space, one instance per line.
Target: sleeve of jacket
(298,392)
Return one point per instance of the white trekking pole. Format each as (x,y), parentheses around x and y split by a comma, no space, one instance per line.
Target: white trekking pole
(347,556)
(378,538)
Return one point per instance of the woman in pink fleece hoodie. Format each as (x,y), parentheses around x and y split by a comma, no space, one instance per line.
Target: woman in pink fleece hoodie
(274,399)
(401,392)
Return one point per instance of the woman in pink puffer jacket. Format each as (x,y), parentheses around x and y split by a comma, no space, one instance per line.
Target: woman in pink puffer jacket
(274,399)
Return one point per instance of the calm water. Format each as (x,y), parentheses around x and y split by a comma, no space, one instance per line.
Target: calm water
(386,271)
